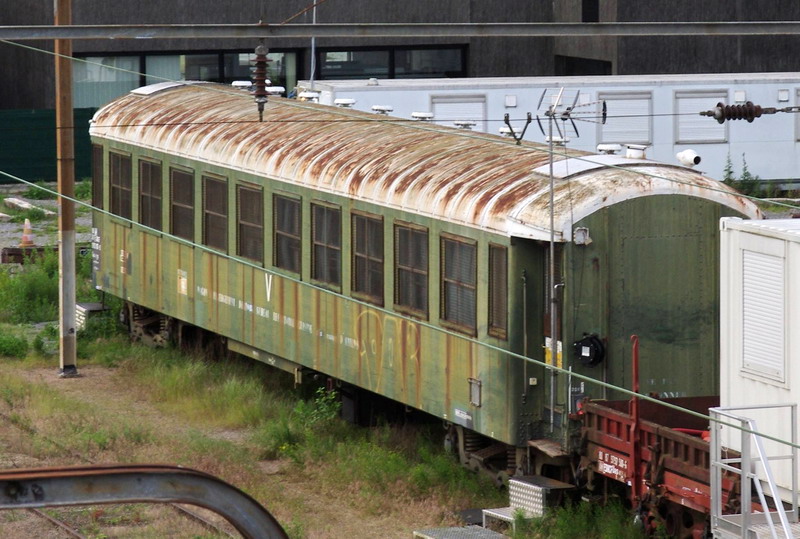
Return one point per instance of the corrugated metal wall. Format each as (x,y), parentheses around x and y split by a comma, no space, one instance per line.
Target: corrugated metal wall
(28,144)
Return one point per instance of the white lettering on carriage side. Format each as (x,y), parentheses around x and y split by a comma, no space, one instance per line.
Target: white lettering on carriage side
(268,282)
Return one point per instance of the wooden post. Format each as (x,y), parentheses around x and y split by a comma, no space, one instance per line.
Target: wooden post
(65,155)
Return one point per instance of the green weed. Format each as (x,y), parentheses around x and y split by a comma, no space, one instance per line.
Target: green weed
(585,520)
(13,346)
(37,191)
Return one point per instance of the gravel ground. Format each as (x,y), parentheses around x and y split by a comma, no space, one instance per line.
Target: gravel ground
(45,232)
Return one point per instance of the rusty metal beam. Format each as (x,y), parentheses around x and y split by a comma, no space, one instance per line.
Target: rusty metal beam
(356,31)
(89,485)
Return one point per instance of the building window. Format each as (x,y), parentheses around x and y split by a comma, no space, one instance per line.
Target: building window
(368,257)
(215,213)
(590,11)
(690,127)
(98,166)
(99,79)
(150,194)
(287,233)
(250,223)
(411,269)
(326,241)
(448,109)
(182,204)
(763,313)
(120,180)
(629,117)
(393,62)
(498,291)
(459,277)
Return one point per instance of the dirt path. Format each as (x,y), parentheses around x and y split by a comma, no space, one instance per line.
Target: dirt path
(305,507)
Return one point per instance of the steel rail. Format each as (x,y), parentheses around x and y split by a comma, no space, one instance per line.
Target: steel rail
(60,524)
(373,30)
(89,485)
(181,510)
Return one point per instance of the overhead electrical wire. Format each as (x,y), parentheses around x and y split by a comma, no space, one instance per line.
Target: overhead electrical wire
(384,310)
(432,327)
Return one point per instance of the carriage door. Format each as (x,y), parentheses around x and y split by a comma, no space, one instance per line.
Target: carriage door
(664,289)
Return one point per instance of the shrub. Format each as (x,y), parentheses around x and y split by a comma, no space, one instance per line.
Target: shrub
(37,191)
(12,346)
(83,189)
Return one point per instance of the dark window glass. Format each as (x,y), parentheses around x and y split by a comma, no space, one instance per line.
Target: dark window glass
(459,275)
(411,269)
(182,204)
(98,165)
(120,180)
(368,257)
(250,223)
(498,291)
(215,213)
(355,64)
(590,10)
(150,194)
(428,63)
(326,236)
(287,233)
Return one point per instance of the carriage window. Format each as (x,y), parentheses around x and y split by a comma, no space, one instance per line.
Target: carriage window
(97,176)
(215,213)
(150,194)
(182,204)
(120,180)
(411,269)
(368,257)
(459,277)
(250,223)
(287,233)
(326,240)
(498,291)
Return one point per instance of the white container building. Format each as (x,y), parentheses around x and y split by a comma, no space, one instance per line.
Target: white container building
(760,330)
(660,112)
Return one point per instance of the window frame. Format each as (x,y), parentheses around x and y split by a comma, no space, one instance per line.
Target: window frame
(188,175)
(294,241)
(152,197)
(98,172)
(498,292)
(332,259)
(211,214)
(257,193)
(362,287)
(408,308)
(446,283)
(120,183)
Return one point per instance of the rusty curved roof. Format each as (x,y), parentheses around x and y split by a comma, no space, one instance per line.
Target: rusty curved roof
(474,179)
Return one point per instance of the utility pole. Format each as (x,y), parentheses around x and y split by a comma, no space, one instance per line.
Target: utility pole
(65,155)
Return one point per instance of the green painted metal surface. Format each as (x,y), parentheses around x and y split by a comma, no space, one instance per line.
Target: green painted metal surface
(28,144)
(651,270)
(285,317)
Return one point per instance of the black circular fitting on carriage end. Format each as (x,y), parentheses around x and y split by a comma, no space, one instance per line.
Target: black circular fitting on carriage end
(590,350)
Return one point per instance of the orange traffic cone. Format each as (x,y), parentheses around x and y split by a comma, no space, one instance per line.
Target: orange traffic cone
(27,235)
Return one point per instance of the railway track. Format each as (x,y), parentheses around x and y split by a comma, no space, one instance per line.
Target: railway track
(222,530)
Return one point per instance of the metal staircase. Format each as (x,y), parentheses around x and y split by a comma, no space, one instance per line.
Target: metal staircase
(752,522)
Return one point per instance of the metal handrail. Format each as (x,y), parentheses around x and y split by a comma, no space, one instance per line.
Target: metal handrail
(747,462)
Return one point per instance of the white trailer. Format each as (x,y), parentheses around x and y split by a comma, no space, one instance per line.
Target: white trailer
(760,331)
(658,111)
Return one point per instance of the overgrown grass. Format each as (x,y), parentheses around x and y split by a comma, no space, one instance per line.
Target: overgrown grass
(585,520)
(37,191)
(30,294)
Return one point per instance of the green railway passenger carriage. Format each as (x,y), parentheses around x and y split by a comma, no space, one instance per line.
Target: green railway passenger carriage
(405,258)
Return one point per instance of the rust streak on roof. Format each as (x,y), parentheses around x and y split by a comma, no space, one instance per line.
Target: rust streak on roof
(480,180)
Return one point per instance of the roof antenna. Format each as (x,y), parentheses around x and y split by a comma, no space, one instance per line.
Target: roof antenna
(511,129)
(260,80)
